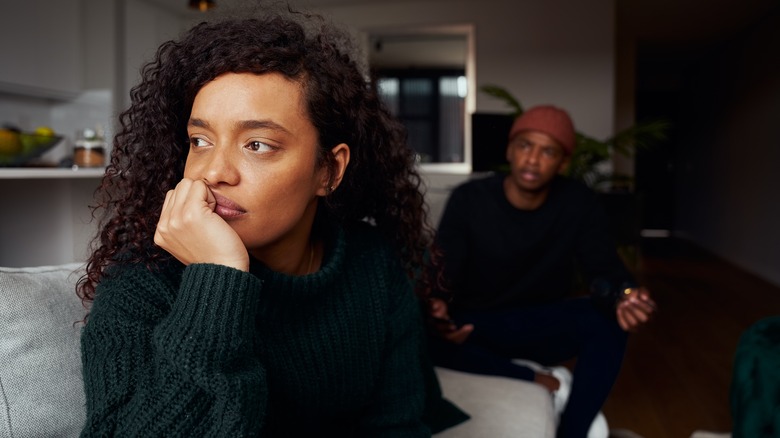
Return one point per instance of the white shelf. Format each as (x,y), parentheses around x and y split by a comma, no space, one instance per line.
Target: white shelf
(50,173)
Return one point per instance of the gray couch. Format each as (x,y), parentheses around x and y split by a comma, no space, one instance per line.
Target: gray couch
(41,391)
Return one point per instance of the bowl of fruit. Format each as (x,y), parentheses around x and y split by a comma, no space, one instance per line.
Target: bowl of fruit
(18,148)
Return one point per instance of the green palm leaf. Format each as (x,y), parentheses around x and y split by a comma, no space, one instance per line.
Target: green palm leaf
(501,93)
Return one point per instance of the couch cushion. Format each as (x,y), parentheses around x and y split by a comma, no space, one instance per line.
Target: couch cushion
(41,389)
(498,406)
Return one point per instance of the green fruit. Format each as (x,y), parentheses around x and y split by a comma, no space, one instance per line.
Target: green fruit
(29,143)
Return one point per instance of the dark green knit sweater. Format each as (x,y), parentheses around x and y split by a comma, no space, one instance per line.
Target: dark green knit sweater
(208,350)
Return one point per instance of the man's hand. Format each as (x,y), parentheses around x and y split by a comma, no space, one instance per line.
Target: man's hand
(190,230)
(634,308)
(443,325)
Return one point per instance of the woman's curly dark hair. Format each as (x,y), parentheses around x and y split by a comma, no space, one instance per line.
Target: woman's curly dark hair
(151,146)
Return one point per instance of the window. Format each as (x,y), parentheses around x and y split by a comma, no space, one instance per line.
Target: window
(425,76)
(431,104)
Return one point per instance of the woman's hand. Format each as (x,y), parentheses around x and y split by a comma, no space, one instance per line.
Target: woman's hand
(190,230)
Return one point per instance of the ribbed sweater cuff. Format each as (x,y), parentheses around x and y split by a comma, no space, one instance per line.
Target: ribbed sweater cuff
(216,306)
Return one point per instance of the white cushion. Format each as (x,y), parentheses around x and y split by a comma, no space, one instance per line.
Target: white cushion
(499,407)
(41,389)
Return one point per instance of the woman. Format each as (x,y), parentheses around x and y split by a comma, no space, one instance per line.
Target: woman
(263,229)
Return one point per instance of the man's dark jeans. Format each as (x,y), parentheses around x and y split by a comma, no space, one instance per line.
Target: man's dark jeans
(548,334)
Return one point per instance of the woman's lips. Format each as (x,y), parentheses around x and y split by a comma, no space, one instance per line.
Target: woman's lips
(226,208)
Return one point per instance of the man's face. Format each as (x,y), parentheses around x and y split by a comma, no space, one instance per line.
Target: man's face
(534,160)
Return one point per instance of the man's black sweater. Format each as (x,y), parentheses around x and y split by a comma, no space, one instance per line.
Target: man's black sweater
(498,256)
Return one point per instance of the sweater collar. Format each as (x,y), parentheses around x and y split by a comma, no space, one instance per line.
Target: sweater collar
(282,292)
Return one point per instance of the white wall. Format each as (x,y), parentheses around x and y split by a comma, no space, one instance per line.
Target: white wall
(543,51)
(24,112)
(146,27)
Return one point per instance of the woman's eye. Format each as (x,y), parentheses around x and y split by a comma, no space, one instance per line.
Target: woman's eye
(197,142)
(258,146)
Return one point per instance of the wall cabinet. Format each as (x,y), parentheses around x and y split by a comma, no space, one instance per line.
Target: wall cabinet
(41,47)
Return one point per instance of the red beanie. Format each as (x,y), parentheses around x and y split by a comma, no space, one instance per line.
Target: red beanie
(550,120)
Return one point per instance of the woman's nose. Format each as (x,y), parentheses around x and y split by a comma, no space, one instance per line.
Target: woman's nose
(220,167)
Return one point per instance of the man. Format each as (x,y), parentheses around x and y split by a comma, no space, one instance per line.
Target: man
(512,247)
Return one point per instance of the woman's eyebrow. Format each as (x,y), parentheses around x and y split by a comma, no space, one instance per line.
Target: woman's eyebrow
(198,123)
(243,125)
(246,125)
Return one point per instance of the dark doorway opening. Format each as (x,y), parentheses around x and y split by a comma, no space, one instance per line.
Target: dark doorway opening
(659,91)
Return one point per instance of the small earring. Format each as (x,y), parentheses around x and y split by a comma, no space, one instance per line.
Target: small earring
(330,190)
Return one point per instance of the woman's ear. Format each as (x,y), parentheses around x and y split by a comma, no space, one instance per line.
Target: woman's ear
(335,174)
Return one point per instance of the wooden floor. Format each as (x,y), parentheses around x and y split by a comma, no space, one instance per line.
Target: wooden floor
(677,370)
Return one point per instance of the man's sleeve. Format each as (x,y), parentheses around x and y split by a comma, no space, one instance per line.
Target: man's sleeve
(597,256)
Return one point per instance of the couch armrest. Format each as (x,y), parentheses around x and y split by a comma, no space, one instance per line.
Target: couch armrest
(498,406)
(41,389)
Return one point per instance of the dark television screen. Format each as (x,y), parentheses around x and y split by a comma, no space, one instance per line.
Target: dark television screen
(489,134)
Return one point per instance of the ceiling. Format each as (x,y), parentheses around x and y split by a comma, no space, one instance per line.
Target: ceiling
(654,23)
(680,24)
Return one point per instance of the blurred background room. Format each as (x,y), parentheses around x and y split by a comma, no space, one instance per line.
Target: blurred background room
(696,212)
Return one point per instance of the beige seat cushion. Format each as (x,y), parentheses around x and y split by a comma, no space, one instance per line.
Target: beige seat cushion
(499,407)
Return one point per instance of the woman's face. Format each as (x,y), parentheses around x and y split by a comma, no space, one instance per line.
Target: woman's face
(253,144)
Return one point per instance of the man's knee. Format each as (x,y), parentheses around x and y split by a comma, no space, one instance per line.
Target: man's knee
(595,323)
